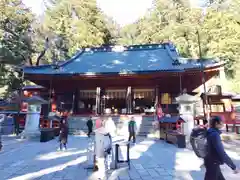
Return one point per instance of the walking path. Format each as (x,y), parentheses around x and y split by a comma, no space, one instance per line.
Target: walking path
(150,160)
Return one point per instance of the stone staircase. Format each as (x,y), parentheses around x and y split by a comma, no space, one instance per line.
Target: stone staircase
(229,136)
(77,124)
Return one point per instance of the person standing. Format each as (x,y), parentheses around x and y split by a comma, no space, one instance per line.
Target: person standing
(216,154)
(132,130)
(159,112)
(109,125)
(90,126)
(63,137)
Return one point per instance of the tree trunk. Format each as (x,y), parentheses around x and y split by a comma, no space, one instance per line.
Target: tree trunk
(43,52)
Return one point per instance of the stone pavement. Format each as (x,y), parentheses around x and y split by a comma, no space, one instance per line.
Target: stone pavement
(150,160)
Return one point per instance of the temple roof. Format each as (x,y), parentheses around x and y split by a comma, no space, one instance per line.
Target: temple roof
(123,60)
(173,119)
(32,87)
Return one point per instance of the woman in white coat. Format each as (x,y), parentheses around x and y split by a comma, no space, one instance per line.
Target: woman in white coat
(109,125)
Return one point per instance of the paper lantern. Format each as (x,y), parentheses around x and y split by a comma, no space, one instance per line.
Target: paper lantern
(25,93)
(54,107)
(165,99)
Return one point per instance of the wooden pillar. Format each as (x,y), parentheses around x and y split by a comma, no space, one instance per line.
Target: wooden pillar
(132,101)
(102,100)
(129,100)
(180,81)
(50,97)
(75,101)
(156,96)
(98,110)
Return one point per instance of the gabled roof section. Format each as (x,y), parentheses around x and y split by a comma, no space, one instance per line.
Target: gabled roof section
(173,119)
(122,60)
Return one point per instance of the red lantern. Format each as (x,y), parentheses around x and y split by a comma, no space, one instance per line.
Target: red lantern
(54,107)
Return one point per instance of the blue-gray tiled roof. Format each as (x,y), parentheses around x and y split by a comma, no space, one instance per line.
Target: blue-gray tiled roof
(122,60)
(172,119)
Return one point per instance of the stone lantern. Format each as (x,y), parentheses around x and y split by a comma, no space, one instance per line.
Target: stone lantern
(31,129)
(187,111)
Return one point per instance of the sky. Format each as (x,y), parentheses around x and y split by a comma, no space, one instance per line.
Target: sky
(123,11)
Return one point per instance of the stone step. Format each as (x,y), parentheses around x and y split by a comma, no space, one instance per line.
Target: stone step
(82,132)
(77,125)
(230,136)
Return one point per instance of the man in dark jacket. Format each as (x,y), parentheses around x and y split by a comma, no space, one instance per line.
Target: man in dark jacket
(90,126)
(216,155)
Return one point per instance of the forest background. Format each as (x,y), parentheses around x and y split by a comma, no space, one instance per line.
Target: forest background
(68,25)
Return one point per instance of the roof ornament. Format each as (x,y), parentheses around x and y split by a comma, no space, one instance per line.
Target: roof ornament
(118,48)
(87,49)
(172,47)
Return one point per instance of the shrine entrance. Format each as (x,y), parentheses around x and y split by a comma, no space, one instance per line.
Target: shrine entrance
(113,101)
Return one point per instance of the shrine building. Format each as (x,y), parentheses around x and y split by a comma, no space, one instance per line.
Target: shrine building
(121,79)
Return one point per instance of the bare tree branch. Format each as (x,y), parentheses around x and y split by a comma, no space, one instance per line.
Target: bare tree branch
(43,52)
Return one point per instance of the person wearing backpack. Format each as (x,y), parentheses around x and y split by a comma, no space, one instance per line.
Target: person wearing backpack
(216,155)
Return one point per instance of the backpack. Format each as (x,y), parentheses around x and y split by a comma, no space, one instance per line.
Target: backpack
(198,141)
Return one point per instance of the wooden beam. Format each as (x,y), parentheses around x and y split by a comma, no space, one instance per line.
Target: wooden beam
(171,83)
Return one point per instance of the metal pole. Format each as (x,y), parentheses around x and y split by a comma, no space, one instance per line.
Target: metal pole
(205,102)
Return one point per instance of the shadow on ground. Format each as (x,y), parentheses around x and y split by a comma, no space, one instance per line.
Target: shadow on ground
(43,161)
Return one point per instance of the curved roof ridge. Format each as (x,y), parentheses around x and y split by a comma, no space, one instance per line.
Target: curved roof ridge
(172,51)
(79,53)
(38,67)
(121,48)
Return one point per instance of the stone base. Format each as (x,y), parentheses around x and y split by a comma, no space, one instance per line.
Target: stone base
(89,165)
(31,135)
(230,136)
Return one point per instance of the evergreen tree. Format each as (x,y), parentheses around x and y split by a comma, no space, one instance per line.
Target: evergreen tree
(76,24)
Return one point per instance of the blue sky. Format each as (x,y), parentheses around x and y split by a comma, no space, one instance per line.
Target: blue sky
(123,11)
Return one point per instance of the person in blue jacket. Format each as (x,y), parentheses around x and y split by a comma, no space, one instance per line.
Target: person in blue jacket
(216,154)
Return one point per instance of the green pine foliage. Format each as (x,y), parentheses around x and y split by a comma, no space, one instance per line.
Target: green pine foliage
(76,24)
(68,25)
(16,46)
(176,21)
